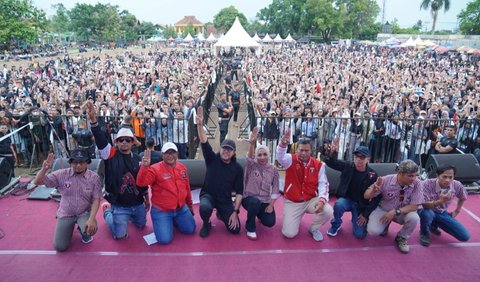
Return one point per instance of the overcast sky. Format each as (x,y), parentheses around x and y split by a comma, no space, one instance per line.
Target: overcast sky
(170,11)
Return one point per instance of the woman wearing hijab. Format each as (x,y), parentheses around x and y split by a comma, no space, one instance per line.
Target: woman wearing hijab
(261,187)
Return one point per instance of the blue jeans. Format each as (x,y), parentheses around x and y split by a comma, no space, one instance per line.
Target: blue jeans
(444,221)
(255,209)
(341,206)
(117,218)
(163,222)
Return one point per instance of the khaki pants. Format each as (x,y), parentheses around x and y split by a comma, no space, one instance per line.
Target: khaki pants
(408,221)
(293,213)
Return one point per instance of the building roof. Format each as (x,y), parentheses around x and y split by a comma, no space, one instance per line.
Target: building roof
(189,20)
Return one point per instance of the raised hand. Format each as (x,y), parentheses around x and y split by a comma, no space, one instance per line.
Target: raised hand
(377,184)
(335,143)
(47,164)
(253,136)
(286,136)
(147,157)
(92,116)
(200,115)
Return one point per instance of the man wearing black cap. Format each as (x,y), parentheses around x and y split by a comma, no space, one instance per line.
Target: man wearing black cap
(356,177)
(224,175)
(81,191)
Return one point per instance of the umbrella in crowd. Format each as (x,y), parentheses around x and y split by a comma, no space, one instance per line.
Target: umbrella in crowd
(463,48)
(441,49)
(473,51)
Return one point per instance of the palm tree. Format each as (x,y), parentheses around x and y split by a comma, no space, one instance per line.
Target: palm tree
(435,6)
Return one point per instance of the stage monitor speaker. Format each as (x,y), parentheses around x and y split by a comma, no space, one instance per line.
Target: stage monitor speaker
(97,165)
(467,167)
(5,176)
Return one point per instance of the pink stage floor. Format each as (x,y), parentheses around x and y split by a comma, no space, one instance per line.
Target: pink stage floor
(26,253)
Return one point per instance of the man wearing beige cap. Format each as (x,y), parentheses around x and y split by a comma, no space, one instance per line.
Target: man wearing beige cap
(126,200)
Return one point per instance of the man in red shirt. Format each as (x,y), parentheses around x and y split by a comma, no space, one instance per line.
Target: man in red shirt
(171,195)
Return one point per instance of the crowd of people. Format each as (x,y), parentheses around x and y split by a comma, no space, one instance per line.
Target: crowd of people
(396,101)
(345,105)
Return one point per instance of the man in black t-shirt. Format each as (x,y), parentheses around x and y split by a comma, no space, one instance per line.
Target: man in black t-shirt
(356,177)
(224,175)
(448,144)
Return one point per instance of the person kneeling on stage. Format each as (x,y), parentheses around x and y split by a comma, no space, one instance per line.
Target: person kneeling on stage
(81,191)
(439,193)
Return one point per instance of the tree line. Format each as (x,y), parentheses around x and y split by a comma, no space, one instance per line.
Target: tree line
(21,21)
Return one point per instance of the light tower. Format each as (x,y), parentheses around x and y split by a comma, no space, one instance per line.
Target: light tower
(383,11)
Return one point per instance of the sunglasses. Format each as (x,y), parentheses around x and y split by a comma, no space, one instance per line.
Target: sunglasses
(402,195)
(128,140)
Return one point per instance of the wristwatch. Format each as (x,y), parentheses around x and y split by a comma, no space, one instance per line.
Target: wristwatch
(397,212)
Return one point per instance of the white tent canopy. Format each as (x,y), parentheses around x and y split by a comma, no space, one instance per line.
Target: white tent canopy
(289,38)
(200,37)
(408,43)
(256,38)
(267,39)
(236,36)
(418,41)
(278,39)
(211,38)
(188,38)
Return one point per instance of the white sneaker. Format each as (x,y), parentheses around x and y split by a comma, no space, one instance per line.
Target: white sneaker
(317,235)
(252,235)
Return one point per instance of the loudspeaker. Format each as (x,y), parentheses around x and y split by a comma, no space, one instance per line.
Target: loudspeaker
(5,176)
(467,167)
(97,165)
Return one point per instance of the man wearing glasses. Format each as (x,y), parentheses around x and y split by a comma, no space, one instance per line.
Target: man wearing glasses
(305,190)
(402,194)
(356,177)
(126,200)
(224,175)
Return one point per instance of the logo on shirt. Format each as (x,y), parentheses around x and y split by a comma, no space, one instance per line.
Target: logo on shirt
(167,176)
(184,175)
(67,184)
(371,175)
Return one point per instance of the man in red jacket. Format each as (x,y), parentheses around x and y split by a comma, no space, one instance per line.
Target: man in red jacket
(305,190)
(171,195)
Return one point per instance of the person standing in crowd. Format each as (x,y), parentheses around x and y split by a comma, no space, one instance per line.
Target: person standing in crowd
(84,138)
(81,191)
(448,143)
(7,150)
(261,187)
(155,156)
(57,133)
(439,193)
(306,188)
(234,98)
(171,195)
(402,194)
(355,179)
(224,111)
(224,175)
(126,200)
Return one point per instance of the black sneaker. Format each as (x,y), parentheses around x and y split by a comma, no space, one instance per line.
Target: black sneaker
(205,231)
(85,237)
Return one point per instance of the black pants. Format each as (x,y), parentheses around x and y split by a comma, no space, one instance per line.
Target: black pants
(224,210)
(236,108)
(255,209)
(11,163)
(223,129)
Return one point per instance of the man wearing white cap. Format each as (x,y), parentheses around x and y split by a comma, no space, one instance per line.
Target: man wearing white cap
(171,195)
(126,200)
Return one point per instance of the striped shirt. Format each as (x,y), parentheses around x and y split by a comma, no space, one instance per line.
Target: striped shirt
(391,191)
(432,192)
(261,181)
(78,191)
